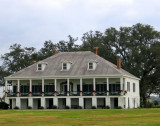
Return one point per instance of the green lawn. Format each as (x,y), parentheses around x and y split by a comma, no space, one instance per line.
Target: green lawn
(133,117)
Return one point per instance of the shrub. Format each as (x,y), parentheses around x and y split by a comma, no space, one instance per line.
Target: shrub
(93,107)
(157,106)
(155,102)
(67,107)
(149,105)
(41,107)
(4,105)
(119,107)
(107,107)
(79,107)
(16,107)
(54,107)
(29,107)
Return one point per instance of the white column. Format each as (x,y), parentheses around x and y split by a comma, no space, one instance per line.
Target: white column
(43,103)
(94,102)
(68,102)
(6,89)
(7,100)
(81,87)
(18,86)
(18,102)
(125,85)
(81,102)
(42,87)
(121,86)
(55,101)
(94,86)
(126,102)
(108,101)
(67,86)
(55,87)
(121,101)
(107,79)
(30,87)
(30,102)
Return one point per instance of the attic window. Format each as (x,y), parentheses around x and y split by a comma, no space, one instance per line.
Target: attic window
(64,66)
(90,66)
(39,66)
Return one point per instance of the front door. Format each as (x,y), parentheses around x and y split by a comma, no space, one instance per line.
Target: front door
(115,102)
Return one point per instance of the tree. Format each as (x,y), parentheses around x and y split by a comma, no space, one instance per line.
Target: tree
(138,46)
(18,58)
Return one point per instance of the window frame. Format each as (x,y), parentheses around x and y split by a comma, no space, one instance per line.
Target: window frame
(39,67)
(134,87)
(90,66)
(64,66)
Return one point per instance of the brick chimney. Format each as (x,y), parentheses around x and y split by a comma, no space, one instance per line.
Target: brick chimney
(118,62)
(33,62)
(96,50)
(54,52)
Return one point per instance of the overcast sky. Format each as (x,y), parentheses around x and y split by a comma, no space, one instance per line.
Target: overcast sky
(31,22)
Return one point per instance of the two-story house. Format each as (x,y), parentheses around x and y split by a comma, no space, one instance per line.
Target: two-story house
(73,79)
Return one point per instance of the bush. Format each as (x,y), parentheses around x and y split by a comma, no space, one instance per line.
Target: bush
(41,107)
(4,105)
(149,105)
(93,107)
(155,102)
(67,107)
(29,107)
(107,107)
(157,106)
(16,107)
(79,107)
(54,107)
(119,107)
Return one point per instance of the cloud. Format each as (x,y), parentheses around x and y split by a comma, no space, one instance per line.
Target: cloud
(31,22)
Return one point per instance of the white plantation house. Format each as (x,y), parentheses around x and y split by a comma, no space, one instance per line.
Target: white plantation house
(73,79)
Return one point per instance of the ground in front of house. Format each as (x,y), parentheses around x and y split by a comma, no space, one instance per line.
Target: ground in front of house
(115,117)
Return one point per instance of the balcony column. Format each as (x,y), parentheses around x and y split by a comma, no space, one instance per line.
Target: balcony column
(67,86)
(30,87)
(6,88)
(42,87)
(125,86)
(121,86)
(55,87)
(68,102)
(81,87)
(107,79)
(94,86)
(18,85)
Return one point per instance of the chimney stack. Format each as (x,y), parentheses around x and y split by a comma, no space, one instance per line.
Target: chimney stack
(33,62)
(118,62)
(54,52)
(96,50)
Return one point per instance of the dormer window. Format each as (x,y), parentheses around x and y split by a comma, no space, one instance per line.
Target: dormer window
(64,66)
(39,66)
(90,66)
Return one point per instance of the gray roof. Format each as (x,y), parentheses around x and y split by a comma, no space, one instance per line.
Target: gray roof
(79,66)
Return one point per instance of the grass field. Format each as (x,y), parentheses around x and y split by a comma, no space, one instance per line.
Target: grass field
(134,117)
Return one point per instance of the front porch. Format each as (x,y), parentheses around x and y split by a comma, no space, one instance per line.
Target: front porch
(67,87)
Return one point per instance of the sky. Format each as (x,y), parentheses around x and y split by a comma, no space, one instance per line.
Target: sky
(32,22)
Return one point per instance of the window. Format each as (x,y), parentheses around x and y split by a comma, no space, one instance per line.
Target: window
(39,66)
(128,86)
(90,66)
(134,88)
(64,66)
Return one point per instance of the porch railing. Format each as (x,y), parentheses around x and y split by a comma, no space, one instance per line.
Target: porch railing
(61,93)
(36,93)
(48,93)
(101,93)
(87,93)
(114,93)
(74,93)
(11,94)
(24,94)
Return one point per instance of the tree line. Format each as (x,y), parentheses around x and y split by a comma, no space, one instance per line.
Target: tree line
(138,46)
